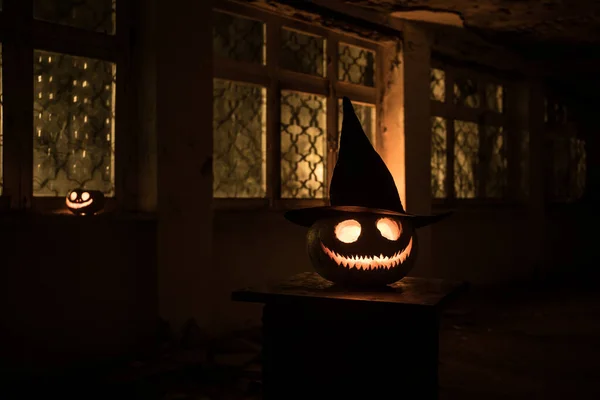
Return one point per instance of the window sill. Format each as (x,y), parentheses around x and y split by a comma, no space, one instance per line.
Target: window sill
(65,215)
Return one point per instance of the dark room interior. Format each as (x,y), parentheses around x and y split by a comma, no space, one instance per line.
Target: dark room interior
(147,249)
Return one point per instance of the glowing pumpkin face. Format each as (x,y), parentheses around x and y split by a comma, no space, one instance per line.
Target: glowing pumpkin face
(85,202)
(362,250)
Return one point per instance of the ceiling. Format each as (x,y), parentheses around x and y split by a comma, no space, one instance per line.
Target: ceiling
(559,21)
(558,35)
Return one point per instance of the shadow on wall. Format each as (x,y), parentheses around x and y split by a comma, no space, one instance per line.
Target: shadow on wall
(502,245)
(483,246)
(253,248)
(75,289)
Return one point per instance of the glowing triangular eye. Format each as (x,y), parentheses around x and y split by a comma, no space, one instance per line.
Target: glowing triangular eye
(73,196)
(389,228)
(347,231)
(85,196)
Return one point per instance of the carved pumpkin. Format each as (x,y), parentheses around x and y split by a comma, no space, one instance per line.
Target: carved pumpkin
(362,250)
(365,237)
(85,202)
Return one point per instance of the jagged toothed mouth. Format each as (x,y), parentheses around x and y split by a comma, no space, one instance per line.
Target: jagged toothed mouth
(78,205)
(369,263)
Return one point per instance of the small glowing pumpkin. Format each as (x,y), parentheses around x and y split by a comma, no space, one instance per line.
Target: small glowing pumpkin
(85,202)
(362,250)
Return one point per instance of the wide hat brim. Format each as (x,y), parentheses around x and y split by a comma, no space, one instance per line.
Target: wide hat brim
(308,216)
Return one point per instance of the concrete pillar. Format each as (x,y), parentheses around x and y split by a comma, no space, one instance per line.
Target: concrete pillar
(525,106)
(144,81)
(184,130)
(417,136)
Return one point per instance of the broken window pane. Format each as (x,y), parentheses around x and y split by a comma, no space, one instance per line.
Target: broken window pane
(239,140)
(466,93)
(493,162)
(302,52)
(239,38)
(494,97)
(356,65)
(73,108)
(303,145)
(466,153)
(366,116)
(437,85)
(93,15)
(438,157)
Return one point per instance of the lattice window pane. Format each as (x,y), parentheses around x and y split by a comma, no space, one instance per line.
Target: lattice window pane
(366,115)
(356,65)
(494,97)
(570,170)
(568,166)
(437,84)
(94,15)
(524,160)
(238,38)
(303,145)
(579,156)
(302,52)
(466,93)
(73,109)
(560,113)
(493,161)
(560,168)
(239,140)
(466,154)
(438,157)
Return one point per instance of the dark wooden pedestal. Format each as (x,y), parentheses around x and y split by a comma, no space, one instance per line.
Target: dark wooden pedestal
(321,341)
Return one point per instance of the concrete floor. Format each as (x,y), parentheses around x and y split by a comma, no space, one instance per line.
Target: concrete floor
(522,343)
(505,342)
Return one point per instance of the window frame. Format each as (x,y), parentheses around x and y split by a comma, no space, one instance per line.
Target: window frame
(21,34)
(483,117)
(276,79)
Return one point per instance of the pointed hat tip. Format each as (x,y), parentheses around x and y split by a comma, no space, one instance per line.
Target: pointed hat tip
(347,104)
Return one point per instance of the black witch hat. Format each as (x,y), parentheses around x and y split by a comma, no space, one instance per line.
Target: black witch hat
(361,182)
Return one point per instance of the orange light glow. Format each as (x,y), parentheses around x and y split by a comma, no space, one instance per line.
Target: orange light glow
(369,263)
(389,228)
(348,231)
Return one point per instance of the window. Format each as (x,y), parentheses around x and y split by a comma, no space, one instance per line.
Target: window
(73,124)
(471,149)
(68,60)
(277,104)
(565,151)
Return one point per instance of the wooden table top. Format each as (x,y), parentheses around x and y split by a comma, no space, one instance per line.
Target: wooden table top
(311,286)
